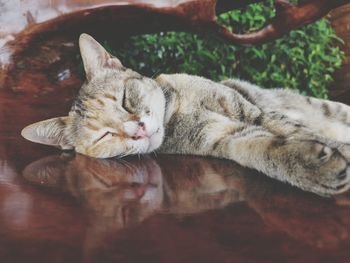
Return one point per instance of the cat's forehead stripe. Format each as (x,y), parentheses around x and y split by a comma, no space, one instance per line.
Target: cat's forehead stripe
(138,77)
(92,127)
(100,102)
(110,96)
(91,116)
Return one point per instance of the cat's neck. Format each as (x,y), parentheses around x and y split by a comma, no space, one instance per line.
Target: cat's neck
(171,98)
(171,103)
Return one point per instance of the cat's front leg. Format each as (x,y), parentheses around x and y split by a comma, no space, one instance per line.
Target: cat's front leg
(307,164)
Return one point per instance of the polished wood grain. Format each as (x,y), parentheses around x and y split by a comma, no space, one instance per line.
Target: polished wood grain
(340,20)
(61,207)
(38,38)
(64,207)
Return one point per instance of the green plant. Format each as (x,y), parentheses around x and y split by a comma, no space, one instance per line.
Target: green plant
(303,60)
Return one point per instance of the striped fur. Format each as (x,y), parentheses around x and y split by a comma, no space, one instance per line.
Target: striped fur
(300,140)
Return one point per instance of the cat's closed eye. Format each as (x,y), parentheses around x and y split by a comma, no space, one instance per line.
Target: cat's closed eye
(106,135)
(124,102)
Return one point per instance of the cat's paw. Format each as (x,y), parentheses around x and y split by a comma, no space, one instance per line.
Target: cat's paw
(318,168)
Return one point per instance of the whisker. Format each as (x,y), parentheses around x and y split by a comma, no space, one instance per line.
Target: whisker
(167,89)
(129,165)
(125,153)
(155,154)
(155,73)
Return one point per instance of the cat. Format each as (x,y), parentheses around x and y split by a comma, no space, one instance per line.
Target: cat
(300,140)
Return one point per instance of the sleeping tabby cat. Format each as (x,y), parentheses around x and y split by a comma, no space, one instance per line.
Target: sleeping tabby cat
(300,140)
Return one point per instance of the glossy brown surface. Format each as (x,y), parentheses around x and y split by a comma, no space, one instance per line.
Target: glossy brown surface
(61,207)
(38,38)
(288,16)
(340,20)
(38,43)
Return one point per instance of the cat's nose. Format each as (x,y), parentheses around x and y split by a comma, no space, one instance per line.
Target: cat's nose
(140,132)
(141,124)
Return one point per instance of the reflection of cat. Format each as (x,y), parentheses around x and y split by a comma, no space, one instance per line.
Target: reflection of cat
(118,112)
(118,195)
(126,192)
(123,192)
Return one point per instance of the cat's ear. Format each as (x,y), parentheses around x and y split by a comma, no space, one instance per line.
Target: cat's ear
(48,171)
(95,57)
(49,132)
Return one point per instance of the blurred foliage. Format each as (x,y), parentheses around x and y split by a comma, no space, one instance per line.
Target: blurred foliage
(303,60)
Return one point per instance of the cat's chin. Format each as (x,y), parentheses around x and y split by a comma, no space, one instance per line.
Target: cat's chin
(155,141)
(146,144)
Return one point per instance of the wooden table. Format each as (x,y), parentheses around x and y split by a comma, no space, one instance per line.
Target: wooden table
(58,207)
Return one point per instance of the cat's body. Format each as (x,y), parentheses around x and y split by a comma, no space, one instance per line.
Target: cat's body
(289,137)
(277,132)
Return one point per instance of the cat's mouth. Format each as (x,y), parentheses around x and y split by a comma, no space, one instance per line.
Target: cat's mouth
(147,139)
(142,134)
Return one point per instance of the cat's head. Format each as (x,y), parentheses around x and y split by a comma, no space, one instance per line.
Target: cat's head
(117,112)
